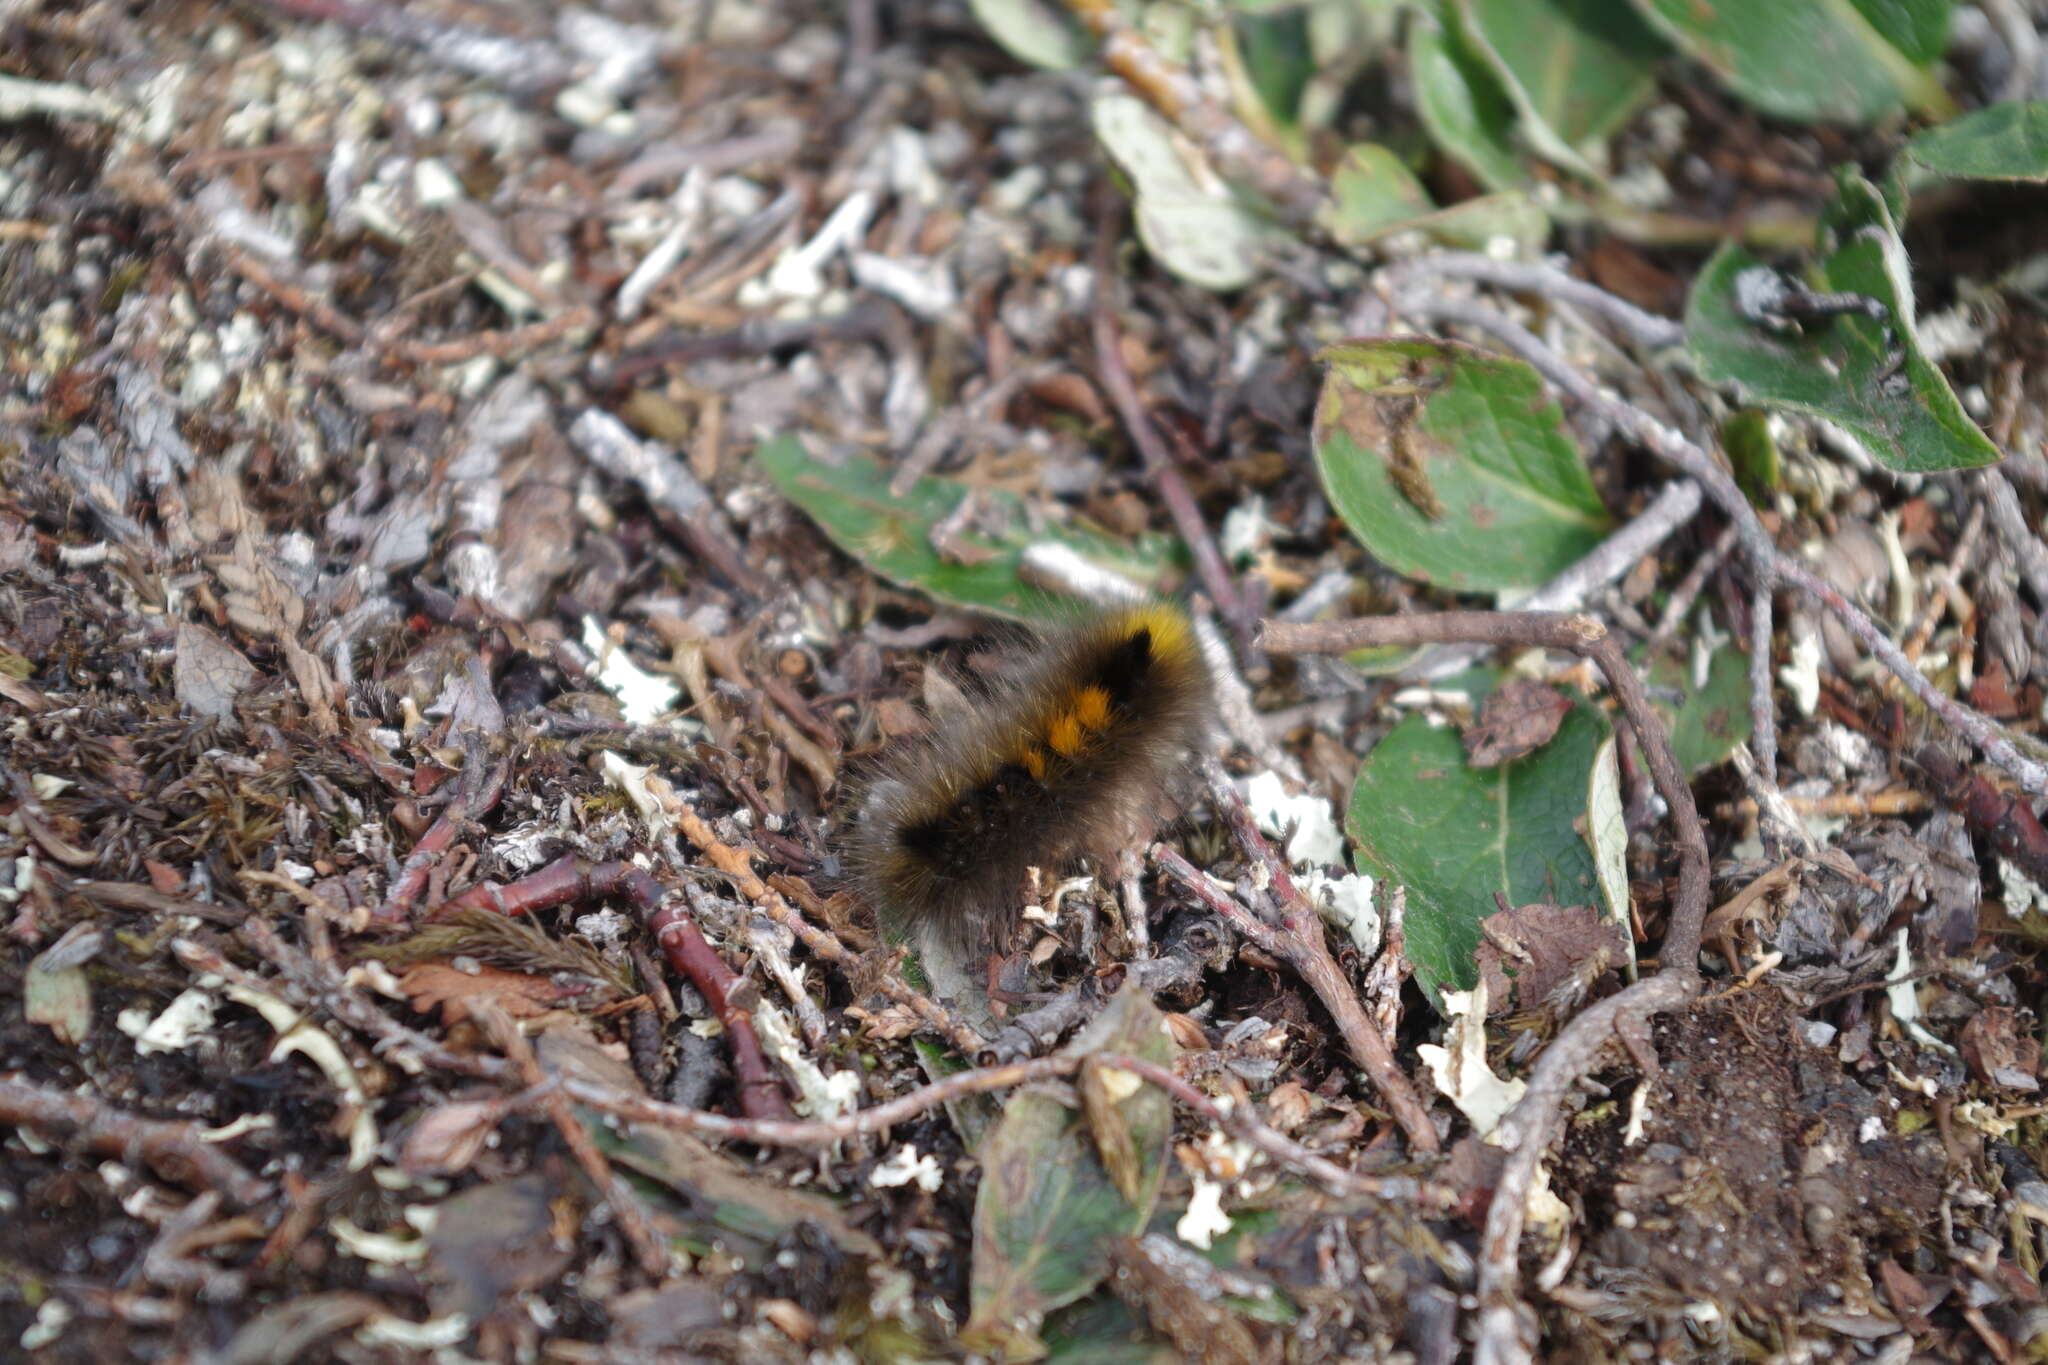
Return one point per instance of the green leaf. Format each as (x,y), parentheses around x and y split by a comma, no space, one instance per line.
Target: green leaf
(1035,31)
(1047,1208)
(852,504)
(1191,224)
(1575,69)
(1100,1330)
(1752,454)
(1466,112)
(1454,835)
(1808,60)
(1452,465)
(1278,61)
(1917,28)
(1841,369)
(1373,193)
(2004,142)
(1714,717)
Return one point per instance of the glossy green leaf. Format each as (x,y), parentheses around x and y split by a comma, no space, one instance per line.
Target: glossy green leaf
(1455,835)
(1453,465)
(1467,113)
(852,504)
(1809,60)
(2004,142)
(1575,69)
(1868,377)
(1047,1208)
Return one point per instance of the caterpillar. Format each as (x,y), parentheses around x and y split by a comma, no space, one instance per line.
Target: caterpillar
(1073,754)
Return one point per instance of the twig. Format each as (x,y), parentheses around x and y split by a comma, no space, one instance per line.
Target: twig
(1945,584)
(1688,590)
(1537,277)
(1506,1328)
(1159,465)
(476,798)
(882,1117)
(636,1224)
(734,864)
(815,1132)
(689,953)
(1194,945)
(1240,1122)
(315,985)
(1963,720)
(1605,563)
(2008,822)
(1306,948)
(504,343)
(571,879)
(1763,708)
(174,1148)
(1302,948)
(667,483)
(2010,523)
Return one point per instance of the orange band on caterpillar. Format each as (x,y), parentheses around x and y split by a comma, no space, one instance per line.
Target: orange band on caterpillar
(1075,753)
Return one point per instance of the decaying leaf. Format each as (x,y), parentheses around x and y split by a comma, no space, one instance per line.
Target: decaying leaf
(436,985)
(1519,717)
(1048,1205)
(210,673)
(1532,952)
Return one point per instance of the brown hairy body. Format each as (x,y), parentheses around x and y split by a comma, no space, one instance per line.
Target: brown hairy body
(1073,753)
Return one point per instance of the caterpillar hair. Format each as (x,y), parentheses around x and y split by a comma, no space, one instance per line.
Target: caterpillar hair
(1076,752)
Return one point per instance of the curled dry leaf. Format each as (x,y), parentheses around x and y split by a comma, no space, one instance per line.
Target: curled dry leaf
(1998,1052)
(448,1138)
(436,984)
(1519,717)
(1532,951)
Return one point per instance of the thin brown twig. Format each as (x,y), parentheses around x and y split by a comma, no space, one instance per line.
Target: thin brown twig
(1298,939)
(1970,724)
(734,864)
(1763,709)
(175,1148)
(478,796)
(1688,590)
(318,986)
(1240,1122)
(882,1117)
(816,1132)
(1536,277)
(1159,465)
(635,1222)
(570,879)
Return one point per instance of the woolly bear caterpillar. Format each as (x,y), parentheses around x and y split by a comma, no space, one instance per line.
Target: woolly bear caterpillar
(1074,754)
